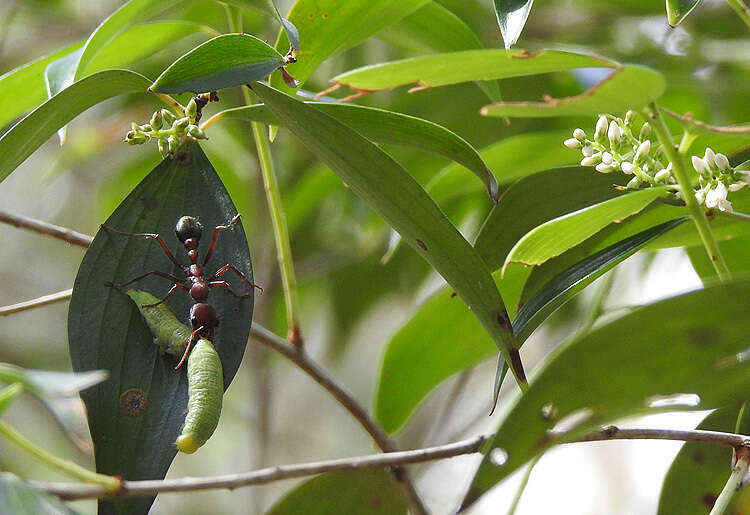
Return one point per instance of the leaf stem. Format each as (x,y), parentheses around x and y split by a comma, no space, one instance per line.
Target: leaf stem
(741,9)
(734,483)
(110,484)
(679,169)
(171,102)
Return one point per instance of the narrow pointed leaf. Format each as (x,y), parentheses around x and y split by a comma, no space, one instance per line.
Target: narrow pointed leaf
(292,33)
(222,62)
(615,372)
(328,27)
(556,236)
(7,394)
(469,65)
(564,286)
(629,87)
(397,197)
(27,135)
(677,10)
(46,383)
(20,497)
(355,492)
(383,126)
(142,406)
(511,17)
(58,76)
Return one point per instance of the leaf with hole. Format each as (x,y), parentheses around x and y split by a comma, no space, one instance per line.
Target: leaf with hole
(142,406)
(584,384)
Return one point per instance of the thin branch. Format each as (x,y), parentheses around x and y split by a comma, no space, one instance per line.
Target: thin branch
(734,483)
(61,233)
(70,491)
(694,435)
(300,358)
(36,303)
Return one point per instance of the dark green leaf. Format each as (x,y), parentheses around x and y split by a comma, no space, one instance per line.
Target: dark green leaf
(328,27)
(398,198)
(106,331)
(222,62)
(695,353)
(734,251)
(292,33)
(354,492)
(511,17)
(677,10)
(383,126)
(556,236)
(19,498)
(629,87)
(27,135)
(451,68)
(561,288)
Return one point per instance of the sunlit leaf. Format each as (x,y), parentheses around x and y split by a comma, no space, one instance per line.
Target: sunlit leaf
(511,17)
(142,406)
(695,353)
(222,62)
(629,87)
(677,10)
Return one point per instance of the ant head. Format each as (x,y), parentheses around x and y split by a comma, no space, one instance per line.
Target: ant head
(188,227)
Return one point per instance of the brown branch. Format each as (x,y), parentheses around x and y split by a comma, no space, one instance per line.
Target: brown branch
(61,233)
(300,358)
(35,303)
(694,435)
(70,491)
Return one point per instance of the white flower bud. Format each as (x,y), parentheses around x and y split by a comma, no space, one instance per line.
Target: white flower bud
(700,165)
(662,176)
(607,158)
(700,195)
(643,150)
(156,121)
(721,161)
(601,129)
(736,186)
(710,158)
(633,184)
(572,143)
(630,117)
(627,167)
(605,168)
(614,134)
(579,135)
(587,150)
(592,160)
(191,111)
(645,131)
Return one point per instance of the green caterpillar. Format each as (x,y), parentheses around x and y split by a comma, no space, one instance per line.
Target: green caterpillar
(204,372)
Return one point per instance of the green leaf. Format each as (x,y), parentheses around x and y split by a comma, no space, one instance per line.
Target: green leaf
(734,252)
(699,472)
(511,17)
(106,331)
(556,236)
(7,394)
(629,87)
(264,6)
(469,65)
(397,197)
(355,492)
(677,10)
(383,126)
(23,88)
(20,498)
(222,62)
(564,286)
(616,371)
(27,135)
(328,27)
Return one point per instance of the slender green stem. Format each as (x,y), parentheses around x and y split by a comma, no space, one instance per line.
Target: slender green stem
(171,102)
(522,486)
(679,169)
(739,217)
(110,483)
(734,483)
(741,9)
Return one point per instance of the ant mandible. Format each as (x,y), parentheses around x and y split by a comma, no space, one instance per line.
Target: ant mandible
(203,317)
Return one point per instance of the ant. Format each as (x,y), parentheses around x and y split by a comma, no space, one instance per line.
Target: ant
(203,317)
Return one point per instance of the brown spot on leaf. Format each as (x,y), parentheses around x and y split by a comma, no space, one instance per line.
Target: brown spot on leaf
(421,244)
(150,203)
(133,402)
(698,458)
(184,157)
(702,336)
(710,499)
(324,16)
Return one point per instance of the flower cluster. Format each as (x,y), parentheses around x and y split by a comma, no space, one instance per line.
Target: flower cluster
(614,147)
(717,179)
(169,131)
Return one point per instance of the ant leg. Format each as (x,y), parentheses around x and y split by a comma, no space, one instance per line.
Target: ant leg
(229,288)
(224,269)
(217,230)
(165,275)
(173,289)
(187,349)
(147,236)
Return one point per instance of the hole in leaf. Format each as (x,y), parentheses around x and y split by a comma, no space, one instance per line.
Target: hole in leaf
(550,412)
(688,400)
(498,457)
